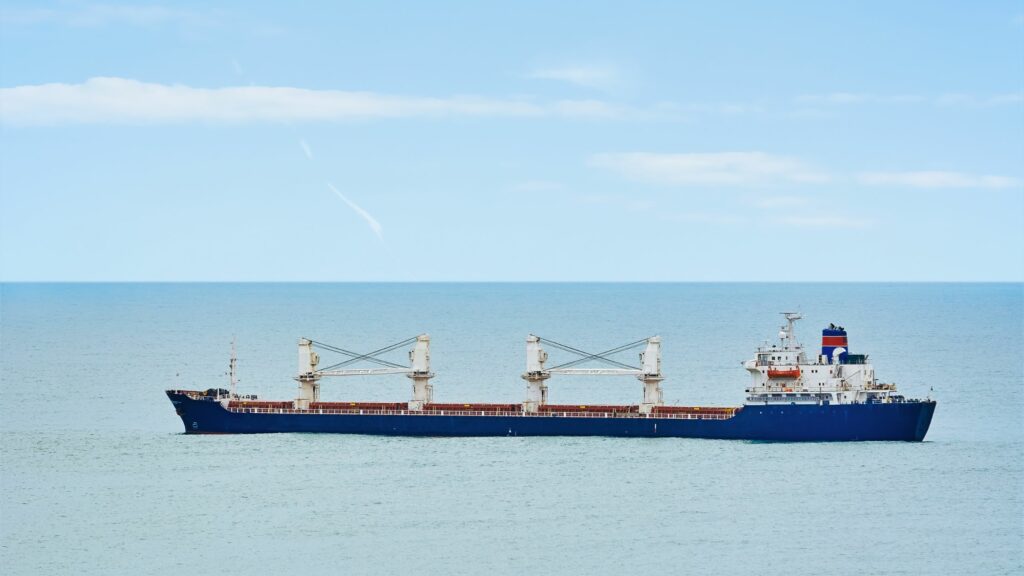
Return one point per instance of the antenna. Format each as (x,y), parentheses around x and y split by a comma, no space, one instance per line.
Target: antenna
(231,370)
(791,318)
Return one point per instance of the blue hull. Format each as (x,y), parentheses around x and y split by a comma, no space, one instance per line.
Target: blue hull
(906,421)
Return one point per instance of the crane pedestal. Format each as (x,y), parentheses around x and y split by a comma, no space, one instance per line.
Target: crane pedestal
(422,391)
(652,394)
(536,391)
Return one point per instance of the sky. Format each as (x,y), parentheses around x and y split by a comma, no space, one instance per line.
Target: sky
(512,141)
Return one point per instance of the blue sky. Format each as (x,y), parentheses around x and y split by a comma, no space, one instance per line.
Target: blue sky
(612,141)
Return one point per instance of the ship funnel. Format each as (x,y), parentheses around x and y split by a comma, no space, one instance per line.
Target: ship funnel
(832,338)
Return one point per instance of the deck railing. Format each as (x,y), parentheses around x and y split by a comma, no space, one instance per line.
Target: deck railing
(364,412)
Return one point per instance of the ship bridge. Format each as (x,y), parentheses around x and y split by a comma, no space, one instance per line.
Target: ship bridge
(782,373)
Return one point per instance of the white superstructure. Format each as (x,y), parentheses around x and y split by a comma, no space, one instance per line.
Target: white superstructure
(783,373)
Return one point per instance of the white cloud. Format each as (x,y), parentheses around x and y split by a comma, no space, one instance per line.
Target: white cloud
(120,100)
(839,98)
(716,169)
(306,148)
(1012,98)
(96,15)
(948,99)
(761,169)
(587,76)
(976,101)
(936,179)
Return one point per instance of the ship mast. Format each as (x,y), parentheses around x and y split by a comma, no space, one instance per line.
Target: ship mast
(787,331)
(231,370)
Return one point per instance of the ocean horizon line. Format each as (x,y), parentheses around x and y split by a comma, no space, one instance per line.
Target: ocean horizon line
(499,282)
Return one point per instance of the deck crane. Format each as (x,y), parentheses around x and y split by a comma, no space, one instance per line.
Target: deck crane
(418,370)
(537,374)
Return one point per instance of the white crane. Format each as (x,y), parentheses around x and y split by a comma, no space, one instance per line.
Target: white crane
(536,374)
(419,370)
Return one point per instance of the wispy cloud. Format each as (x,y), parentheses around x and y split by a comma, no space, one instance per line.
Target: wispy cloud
(109,100)
(859,98)
(718,169)
(936,179)
(306,148)
(120,100)
(973,100)
(947,99)
(366,216)
(587,76)
(1010,98)
(761,169)
(97,15)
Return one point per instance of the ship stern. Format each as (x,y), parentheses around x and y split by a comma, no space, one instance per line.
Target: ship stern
(924,419)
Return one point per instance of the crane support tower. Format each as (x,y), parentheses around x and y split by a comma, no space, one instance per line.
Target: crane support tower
(418,371)
(536,374)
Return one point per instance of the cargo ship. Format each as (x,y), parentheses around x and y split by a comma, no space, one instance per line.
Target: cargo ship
(792,397)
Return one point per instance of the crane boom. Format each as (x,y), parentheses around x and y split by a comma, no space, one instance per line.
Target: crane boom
(419,370)
(537,374)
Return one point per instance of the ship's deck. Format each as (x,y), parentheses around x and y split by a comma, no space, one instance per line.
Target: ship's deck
(471,409)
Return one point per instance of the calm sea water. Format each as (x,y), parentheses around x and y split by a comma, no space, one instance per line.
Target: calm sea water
(98,478)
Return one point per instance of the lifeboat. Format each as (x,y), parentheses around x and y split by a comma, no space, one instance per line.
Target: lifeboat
(784,372)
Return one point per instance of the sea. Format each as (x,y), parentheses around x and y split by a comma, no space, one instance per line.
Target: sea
(97,477)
